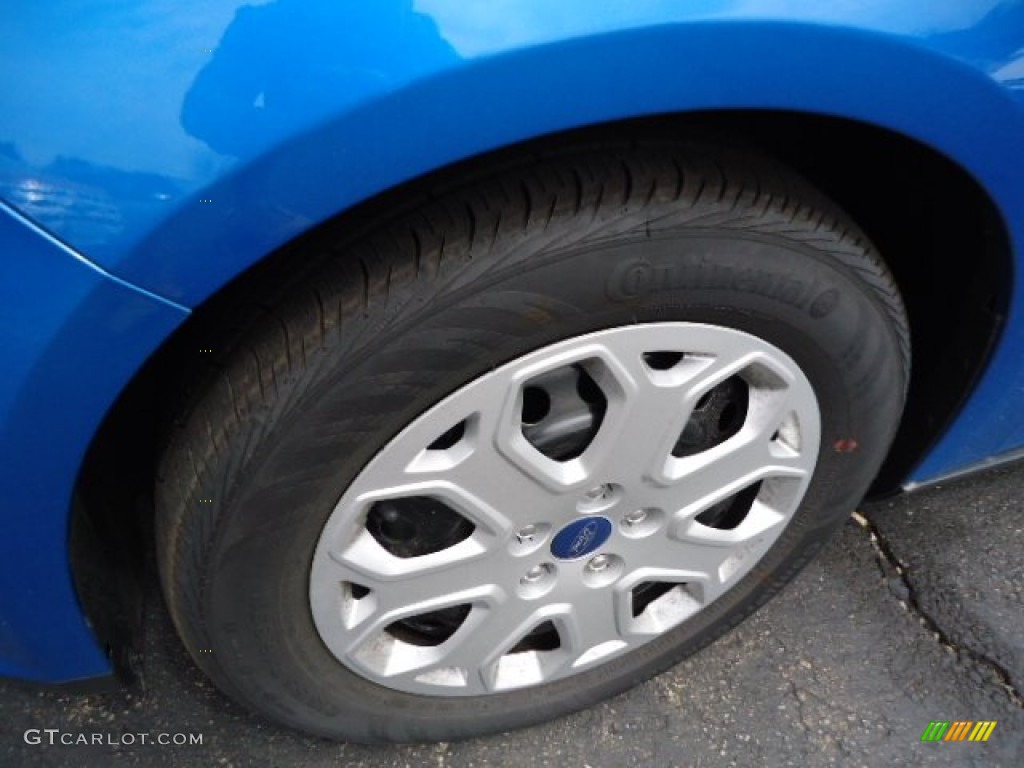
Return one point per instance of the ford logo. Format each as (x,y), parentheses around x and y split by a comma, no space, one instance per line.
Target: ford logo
(581,537)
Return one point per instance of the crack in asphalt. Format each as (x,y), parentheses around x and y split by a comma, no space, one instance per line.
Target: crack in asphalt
(801,716)
(892,567)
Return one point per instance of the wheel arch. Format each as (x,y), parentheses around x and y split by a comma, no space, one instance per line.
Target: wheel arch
(313,171)
(116,477)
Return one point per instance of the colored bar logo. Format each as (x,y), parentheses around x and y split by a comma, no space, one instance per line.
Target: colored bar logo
(958,730)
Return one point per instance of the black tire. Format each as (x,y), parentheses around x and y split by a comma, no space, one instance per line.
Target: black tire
(387,326)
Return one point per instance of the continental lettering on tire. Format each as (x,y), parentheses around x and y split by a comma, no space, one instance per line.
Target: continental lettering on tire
(636,278)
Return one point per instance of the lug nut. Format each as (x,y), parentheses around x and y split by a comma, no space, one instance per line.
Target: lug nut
(599,563)
(526,533)
(637,517)
(533,575)
(598,493)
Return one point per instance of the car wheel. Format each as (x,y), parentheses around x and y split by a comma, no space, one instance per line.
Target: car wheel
(516,450)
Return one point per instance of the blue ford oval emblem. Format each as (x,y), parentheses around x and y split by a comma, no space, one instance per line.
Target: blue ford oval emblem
(581,537)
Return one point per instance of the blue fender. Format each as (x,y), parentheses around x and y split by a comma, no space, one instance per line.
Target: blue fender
(72,336)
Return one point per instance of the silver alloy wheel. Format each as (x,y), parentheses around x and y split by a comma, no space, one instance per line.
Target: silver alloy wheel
(542,564)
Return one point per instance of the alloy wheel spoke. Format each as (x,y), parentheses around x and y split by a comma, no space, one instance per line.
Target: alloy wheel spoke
(495,631)
(728,468)
(392,596)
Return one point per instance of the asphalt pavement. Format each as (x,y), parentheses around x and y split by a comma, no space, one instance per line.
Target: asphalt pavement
(913,613)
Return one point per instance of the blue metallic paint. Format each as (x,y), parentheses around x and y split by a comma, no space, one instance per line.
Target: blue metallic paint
(72,337)
(174,145)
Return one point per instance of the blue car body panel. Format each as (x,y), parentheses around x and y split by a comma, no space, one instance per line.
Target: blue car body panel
(154,151)
(72,336)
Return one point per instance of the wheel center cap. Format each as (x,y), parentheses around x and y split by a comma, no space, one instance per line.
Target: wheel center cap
(581,537)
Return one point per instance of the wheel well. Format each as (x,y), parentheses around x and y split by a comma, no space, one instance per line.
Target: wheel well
(941,236)
(923,212)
